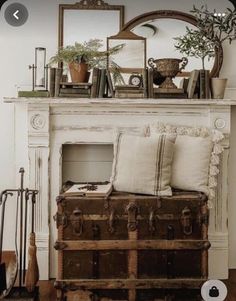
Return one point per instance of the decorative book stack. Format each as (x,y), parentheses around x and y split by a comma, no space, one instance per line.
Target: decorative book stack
(129,91)
(102,85)
(199,84)
(76,90)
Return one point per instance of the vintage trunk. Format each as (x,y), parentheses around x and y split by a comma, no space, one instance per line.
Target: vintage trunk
(132,247)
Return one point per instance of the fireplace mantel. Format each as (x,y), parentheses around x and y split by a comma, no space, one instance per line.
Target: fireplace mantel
(46,124)
(120,102)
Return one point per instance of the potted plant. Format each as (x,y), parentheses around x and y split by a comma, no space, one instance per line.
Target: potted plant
(82,57)
(218,28)
(195,44)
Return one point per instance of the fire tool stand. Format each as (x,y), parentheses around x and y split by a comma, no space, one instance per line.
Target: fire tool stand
(18,291)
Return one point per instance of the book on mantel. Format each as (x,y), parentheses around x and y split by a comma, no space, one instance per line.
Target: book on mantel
(90,190)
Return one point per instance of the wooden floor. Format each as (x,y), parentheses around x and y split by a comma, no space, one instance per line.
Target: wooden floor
(47,292)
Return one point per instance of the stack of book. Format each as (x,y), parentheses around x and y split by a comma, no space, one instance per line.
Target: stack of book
(129,91)
(102,85)
(75,90)
(199,84)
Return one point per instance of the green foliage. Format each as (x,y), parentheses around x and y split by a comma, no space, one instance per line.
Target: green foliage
(195,44)
(89,53)
(86,52)
(216,28)
(212,31)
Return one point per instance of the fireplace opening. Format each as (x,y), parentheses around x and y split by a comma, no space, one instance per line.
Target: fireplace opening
(87,162)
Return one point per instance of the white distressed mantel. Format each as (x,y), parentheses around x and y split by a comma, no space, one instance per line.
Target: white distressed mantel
(55,122)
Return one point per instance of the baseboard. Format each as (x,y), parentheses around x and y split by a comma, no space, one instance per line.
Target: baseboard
(42,243)
(219,256)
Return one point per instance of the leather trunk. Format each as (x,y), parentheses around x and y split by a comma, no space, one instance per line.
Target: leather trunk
(132,247)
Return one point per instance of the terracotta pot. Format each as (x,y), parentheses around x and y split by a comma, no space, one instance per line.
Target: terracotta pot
(79,72)
(218,86)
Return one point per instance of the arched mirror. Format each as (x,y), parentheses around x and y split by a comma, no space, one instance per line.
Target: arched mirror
(160,28)
(89,19)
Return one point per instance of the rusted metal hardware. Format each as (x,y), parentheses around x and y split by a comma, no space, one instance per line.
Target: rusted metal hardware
(203,219)
(60,285)
(132,209)
(152,219)
(203,198)
(61,220)
(207,245)
(187,221)
(170,232)
(60,246)
(77,221)
(60,199)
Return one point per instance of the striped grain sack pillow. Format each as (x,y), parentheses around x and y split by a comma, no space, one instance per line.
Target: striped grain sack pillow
(143,164)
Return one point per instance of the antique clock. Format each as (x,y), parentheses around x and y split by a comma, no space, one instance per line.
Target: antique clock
(136,80)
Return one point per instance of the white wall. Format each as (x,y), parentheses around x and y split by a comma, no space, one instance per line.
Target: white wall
(17,52)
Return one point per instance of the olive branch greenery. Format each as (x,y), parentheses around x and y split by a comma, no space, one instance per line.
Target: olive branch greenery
(89,52)
(212,31)
(215,27)
(195,44)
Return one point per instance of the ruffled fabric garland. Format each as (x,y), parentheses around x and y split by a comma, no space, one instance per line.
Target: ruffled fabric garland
(217,149)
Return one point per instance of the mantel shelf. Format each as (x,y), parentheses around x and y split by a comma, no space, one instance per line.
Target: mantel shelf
(120,102)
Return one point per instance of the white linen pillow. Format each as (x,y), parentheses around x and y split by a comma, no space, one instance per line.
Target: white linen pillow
(196,157)
(143,164)
(191,161)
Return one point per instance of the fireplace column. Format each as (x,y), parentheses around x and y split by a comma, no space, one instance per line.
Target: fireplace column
(38,147)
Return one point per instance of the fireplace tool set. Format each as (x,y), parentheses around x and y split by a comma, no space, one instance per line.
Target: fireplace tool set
(16,270)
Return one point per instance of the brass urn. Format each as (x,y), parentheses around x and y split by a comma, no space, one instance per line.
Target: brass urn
(168,68)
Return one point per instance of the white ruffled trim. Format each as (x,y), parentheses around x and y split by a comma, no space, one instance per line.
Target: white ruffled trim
(216,137)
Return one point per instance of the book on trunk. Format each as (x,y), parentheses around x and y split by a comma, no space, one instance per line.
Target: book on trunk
(91,190)
(192,85)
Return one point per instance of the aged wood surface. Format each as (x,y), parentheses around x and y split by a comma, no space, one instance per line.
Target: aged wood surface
(133,264)
(48,292)
(130,284)
(118,101)
(133,245)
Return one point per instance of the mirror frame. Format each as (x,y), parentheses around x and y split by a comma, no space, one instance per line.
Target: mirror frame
(178,15)
(129,36)
(87,5)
